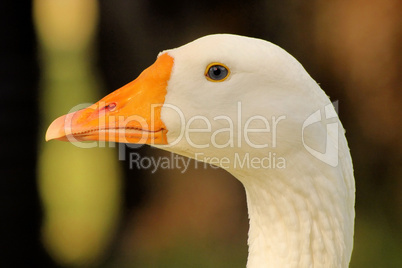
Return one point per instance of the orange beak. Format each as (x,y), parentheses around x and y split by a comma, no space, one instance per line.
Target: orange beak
(131,114)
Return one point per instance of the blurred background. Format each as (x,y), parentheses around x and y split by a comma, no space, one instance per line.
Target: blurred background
(63,206)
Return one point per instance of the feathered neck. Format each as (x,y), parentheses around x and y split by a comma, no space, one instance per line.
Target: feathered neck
(301,216)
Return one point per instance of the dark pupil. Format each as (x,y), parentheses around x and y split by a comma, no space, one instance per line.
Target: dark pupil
(217,72)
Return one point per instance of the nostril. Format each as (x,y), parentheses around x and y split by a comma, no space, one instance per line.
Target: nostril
(111,106)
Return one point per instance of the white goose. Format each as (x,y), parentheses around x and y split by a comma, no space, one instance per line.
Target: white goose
(242,103)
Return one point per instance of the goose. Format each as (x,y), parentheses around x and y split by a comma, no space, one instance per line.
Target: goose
(241,103)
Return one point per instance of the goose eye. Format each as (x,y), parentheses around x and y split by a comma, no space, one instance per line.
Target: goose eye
(217,72)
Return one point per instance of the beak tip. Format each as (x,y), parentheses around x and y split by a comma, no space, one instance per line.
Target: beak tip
(56,129)
(48,136)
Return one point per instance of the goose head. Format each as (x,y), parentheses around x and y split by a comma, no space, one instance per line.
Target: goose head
(248,106)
